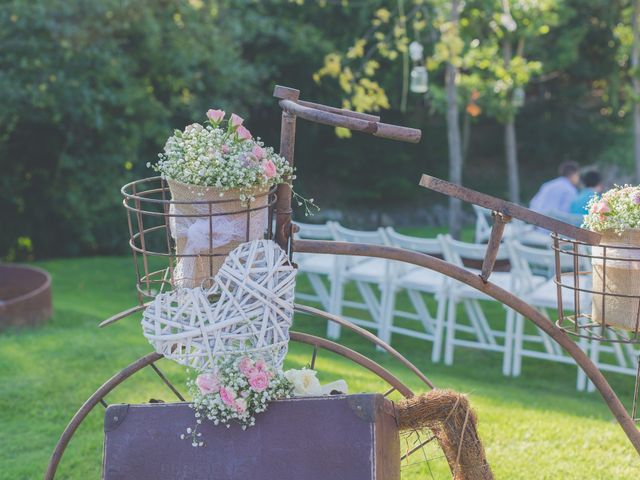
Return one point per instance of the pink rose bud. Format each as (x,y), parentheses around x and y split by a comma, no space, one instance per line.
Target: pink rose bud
(207,383)
(243,133)
(215,115)
(241,405)
(258,152)
(236,120)
(245,366)
(259,381)
(601,207)
(269,169)
(261,366)
(228,396)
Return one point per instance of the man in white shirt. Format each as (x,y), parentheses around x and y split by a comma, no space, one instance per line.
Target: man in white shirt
(556,195)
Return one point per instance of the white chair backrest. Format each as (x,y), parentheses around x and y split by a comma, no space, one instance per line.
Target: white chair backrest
(430,246)
(377,237)
(483,223)
(527,262)
(455,251)
(541,261)
(315,231)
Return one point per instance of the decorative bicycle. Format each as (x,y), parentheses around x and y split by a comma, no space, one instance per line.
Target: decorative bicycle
(150,218)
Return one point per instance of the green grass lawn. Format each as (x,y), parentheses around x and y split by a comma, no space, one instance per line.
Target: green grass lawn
(534,426)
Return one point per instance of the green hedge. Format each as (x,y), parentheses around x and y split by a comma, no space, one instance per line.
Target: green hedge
(90,91)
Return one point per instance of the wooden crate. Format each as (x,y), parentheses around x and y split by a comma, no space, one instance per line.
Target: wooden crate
(341,437)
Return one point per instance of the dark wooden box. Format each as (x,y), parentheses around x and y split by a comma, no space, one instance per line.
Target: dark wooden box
(345,437)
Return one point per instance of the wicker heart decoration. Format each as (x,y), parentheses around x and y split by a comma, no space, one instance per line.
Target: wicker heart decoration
(252,315)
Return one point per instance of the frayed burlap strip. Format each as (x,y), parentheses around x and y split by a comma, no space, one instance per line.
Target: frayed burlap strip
(228,231)
(621,276)
(449,416)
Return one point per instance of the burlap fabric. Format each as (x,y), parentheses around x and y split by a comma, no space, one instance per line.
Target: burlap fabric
(618,275)
(205,229)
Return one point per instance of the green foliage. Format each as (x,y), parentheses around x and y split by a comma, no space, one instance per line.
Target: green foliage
(533,426)
(91,90)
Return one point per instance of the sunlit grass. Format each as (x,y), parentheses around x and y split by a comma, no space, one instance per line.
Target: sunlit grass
(534,426)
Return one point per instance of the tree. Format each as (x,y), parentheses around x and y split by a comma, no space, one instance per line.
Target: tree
(635,73)
(453,126)
(480,50)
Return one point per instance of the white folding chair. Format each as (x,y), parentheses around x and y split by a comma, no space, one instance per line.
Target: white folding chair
(368,275)
(534,270)
(416,281)
(612,357)
(321,270)
(483,224)
(483,337)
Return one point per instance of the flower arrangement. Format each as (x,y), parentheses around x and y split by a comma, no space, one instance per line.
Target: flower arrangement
(616,283)
(241,387)
(617,210)
(200,165)
(225,157)
(237,390)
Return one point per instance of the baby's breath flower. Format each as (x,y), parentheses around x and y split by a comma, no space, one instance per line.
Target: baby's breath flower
(618,210)
(214,156)
(246,386)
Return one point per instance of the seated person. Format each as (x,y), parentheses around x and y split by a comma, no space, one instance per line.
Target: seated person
(556,195)
(592,181)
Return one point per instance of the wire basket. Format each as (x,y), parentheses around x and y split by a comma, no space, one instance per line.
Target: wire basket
(177,243)
(597,289)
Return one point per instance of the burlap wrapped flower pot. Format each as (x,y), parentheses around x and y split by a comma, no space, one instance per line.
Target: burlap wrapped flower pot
(617,274)
(205,232)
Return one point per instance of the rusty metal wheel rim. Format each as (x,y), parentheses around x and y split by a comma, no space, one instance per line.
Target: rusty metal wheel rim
(317,342)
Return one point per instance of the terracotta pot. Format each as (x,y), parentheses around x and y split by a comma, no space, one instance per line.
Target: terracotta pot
(205,233)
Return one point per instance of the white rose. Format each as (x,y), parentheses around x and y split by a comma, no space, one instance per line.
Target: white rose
(337,386)
(305,383)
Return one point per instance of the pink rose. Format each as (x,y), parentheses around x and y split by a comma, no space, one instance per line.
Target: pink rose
(269,169)
(228,396)
(225,149)
(207,383)
(259,381)
(215,115)
(243,133)
(236,120)
(261,366)
(245,366)
(241,405)
(601,207)
(258,152)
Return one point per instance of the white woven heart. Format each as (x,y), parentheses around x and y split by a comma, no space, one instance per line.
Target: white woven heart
(253,314)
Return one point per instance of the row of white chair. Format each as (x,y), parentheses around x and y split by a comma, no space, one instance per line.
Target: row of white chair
(378,283)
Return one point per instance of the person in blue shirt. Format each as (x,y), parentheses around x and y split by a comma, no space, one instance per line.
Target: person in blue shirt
(592,182)
(556,195)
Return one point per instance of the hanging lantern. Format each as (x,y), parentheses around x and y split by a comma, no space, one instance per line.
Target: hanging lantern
(415,51)
(419,79)
(518,97)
